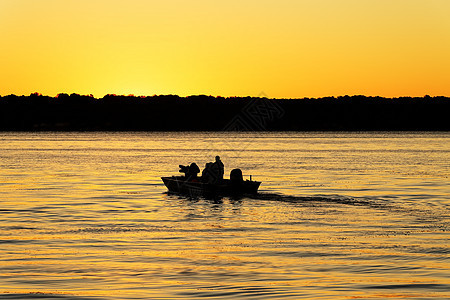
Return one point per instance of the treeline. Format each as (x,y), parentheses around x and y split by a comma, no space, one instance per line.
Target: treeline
(207,113)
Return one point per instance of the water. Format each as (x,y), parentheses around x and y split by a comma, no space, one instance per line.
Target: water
(339,216)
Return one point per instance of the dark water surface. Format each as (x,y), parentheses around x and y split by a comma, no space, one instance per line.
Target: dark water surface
(339,216)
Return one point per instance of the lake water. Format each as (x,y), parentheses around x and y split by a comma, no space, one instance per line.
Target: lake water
(339,216)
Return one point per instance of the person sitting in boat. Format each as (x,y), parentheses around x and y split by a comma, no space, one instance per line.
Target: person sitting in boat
(190,172)
(207,174)
(213,172)
(193,171)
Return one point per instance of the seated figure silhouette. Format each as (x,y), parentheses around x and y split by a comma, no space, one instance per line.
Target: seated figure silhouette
(213,172)
(208,174)
(190,172)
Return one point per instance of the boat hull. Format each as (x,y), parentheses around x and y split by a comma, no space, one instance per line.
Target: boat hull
(179,184)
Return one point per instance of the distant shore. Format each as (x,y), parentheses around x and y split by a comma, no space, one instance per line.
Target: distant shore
(207,113)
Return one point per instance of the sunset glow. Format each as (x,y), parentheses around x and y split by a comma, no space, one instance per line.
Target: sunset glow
(284,48)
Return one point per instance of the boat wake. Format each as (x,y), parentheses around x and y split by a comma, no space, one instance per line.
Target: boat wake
(315,198)
(438,216)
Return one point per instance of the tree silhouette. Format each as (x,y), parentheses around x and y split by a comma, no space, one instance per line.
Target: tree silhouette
(202,113)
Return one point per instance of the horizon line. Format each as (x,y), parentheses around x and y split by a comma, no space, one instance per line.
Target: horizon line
(260,96)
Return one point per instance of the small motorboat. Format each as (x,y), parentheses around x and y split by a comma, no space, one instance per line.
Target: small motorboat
(195,187)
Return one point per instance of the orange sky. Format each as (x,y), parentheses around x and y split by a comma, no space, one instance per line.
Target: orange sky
(285,48)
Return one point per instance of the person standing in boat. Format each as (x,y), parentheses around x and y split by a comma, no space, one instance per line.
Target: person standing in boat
(220,168)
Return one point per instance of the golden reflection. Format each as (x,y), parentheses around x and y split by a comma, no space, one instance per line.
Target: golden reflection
(112,227)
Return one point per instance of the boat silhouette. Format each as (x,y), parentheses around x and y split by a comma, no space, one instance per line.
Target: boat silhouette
(197,186)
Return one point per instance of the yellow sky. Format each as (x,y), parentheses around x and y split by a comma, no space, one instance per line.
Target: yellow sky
(285,48)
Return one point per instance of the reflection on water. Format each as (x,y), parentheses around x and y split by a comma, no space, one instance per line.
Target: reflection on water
(340,215)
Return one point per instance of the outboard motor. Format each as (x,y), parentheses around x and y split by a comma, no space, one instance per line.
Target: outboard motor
(236,176)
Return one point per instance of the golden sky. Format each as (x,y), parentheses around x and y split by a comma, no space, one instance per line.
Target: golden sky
(284,48)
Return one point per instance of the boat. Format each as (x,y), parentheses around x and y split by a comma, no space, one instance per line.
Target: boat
(196,188)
